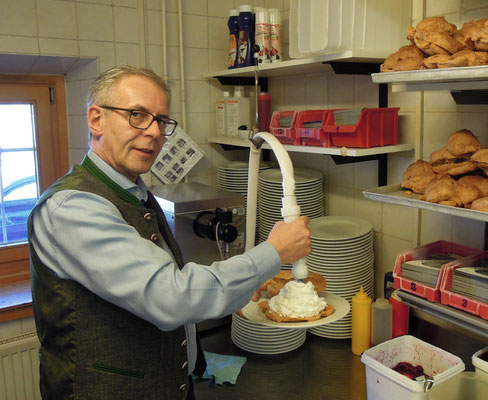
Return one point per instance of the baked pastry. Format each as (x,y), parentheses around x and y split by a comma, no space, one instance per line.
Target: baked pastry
(467,192)
(480,204)
(417,176)
(477,180)
(407,58)
(274,285)
(264,305)
(478,31)
(442,190)
(462,143)
(463,58)
(469,30)
(441,160)
(434,36)
(481,158)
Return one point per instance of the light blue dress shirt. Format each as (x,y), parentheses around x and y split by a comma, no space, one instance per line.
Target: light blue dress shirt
(83,237)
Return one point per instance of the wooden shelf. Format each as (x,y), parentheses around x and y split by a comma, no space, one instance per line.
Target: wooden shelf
(335,151)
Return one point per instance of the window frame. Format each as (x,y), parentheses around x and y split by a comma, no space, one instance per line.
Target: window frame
(14,259)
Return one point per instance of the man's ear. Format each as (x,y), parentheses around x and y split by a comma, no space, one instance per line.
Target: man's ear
(95,120)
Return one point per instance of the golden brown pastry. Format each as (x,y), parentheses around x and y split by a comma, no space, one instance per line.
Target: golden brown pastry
(480,204)
(417,176)
(443,162)
(479,181)
(274,285)
(467,193)
(463,58)
(264,305)
(479,34)
(463,143)
(442,190)
(434,36)
(465,34)
(407,58)
(481,158)
(436,61)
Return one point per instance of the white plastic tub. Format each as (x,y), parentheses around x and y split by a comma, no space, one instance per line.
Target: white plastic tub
(375,27)
(481,366)
(383,383)
(466,385)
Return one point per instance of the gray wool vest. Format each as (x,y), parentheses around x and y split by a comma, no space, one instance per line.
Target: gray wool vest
(91,348)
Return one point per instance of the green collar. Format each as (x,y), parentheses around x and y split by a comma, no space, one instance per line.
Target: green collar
(90,166)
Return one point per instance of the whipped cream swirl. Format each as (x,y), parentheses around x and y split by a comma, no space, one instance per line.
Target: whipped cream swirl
(297,300)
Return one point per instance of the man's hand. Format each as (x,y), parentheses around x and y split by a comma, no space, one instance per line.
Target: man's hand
(291,240)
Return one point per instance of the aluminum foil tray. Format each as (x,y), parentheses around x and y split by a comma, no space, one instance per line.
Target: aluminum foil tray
(394,194)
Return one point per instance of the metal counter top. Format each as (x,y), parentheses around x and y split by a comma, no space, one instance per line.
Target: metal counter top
(321,369)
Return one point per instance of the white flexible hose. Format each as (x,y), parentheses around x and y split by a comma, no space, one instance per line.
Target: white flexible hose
(290,209)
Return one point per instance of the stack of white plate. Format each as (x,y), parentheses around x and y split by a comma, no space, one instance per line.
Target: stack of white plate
(257,338)
(342,251)
(309,192)
(233,176)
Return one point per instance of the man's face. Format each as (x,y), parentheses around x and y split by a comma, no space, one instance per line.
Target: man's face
(129,150)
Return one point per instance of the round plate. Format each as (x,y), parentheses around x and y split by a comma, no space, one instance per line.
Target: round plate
(338,228)
(341,308)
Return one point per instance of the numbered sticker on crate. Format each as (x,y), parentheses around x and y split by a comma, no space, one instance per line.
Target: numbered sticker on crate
(177,157)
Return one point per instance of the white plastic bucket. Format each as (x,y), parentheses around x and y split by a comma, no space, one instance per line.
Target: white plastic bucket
(374,27)
(383,383)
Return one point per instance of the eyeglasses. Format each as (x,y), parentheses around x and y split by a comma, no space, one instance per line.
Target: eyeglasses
(142,120)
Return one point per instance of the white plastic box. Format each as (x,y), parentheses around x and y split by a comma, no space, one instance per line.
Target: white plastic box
(383,383)
(466,385)
(372,28)
(480,366)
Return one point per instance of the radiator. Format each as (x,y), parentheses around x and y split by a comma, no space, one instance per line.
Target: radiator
(19,368)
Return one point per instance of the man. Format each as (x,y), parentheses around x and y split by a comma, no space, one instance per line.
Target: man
(114,306)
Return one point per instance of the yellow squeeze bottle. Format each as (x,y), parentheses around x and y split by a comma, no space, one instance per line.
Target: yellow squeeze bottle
(361,322)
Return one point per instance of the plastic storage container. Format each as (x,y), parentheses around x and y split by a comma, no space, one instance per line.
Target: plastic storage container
(480,365)
(285,134)
(423,253)
(312,136)
(374,28)
(459,301)
(375,127)
(466,385)
(383,383)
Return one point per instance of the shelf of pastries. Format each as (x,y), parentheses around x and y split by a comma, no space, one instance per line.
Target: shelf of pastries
(440,56)
(454,181)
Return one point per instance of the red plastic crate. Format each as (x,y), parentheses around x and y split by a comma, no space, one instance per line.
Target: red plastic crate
(432,294)
(457,300)
(284,135)
(375,127)
(312,136)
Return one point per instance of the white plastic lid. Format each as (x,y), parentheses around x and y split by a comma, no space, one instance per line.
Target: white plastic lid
(245,8)
(274,16)
(262,15)
(239,91)
(233,13)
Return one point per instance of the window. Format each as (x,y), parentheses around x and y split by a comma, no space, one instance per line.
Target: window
(33,154)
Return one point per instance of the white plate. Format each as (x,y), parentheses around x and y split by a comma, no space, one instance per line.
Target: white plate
(338,228)
(341,308)
(300,174)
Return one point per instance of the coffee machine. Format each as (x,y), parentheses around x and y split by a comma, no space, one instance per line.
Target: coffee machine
(208,224)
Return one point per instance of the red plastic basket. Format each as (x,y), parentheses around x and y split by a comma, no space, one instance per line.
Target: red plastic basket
(284,135)
(312,136)
(457,300)
(432,294)
(375,127)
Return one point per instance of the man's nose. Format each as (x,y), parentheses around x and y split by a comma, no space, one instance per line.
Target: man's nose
(153,129)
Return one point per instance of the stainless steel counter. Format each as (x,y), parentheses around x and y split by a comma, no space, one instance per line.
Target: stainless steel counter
(320,369)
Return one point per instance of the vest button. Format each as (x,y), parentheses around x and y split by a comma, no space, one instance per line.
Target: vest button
(185,364)
(183,343)
(147,217)
(154,238)
(182,387)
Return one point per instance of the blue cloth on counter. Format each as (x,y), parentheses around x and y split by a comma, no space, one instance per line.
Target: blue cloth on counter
(223,368)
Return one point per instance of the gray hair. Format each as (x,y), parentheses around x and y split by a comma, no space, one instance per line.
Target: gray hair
(102,89)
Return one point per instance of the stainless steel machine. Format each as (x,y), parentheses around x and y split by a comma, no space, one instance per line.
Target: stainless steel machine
(208,223)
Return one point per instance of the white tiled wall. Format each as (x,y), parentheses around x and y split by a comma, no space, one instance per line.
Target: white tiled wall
(109,30)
